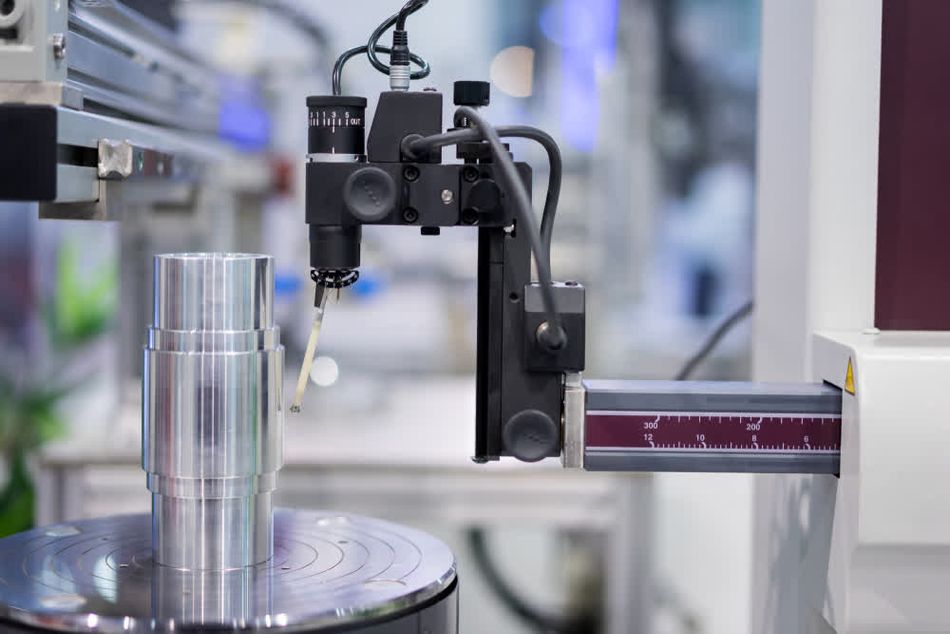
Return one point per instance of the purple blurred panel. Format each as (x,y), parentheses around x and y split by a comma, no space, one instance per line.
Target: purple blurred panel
(17,296)
(913,224)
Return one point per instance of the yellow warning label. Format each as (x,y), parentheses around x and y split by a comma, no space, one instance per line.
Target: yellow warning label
(849,379)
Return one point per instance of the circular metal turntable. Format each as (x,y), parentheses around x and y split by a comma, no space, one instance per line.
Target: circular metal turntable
(328,571)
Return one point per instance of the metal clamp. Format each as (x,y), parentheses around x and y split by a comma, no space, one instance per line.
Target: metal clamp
(120,160)
(575,397)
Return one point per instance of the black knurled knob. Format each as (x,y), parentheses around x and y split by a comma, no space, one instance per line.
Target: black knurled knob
(530,436)
(472,93)
(369,194)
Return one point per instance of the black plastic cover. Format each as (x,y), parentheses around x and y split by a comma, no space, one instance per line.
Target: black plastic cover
(398,115)
(569,299)
(28,152)
(335,248)
(472,93)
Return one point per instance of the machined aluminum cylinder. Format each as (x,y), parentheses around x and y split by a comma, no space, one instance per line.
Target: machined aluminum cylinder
(212,410)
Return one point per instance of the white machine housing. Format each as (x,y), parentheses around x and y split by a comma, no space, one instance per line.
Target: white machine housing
(869,552)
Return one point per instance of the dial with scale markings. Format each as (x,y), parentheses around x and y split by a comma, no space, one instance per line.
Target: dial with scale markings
(336,126)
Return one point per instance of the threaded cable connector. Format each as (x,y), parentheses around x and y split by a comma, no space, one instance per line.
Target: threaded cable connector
(399,70)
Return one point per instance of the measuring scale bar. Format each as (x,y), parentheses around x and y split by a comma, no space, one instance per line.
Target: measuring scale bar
(712,427)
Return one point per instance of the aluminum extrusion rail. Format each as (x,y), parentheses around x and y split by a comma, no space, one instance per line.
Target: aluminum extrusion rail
(93,92)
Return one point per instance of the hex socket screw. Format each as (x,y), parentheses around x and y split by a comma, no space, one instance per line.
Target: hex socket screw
(470,174)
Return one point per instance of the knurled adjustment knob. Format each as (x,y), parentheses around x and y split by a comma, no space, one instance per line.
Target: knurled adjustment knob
(369,194)
(530,436)
(472,93)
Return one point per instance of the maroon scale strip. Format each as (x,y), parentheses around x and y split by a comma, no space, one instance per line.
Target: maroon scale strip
(726,432)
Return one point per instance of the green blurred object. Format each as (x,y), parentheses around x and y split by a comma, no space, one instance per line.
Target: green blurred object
(27,421)
(83,306)
(81,309)
(16,501)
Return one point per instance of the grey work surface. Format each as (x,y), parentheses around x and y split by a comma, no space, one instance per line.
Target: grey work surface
(329,571)
(712,396)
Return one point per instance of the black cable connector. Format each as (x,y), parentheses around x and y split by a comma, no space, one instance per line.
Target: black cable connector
(400,54)
(337,79)
(399,73)
(372,48)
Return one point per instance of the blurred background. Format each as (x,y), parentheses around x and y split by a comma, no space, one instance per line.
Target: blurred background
(654,105)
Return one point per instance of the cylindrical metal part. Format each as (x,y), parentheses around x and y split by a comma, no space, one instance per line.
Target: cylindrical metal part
(212,410)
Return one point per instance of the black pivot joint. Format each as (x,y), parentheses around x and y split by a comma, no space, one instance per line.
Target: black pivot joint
(474,94)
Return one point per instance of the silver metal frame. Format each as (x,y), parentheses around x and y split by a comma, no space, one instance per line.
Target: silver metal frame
(127,151)
(121,85)
(575,411)
(111,58)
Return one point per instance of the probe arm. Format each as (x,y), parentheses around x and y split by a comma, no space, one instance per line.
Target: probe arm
(702,426)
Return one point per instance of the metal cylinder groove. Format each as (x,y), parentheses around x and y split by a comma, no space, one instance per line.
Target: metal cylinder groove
(212,410)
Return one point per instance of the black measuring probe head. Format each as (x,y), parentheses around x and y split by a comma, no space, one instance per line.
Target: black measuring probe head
(336,134)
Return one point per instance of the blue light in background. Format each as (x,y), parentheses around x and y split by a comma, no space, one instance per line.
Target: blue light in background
(369,285)
(287,284)
(243,119)
(586,31)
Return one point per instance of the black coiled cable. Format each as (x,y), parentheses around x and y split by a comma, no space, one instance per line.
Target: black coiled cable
(372,48)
